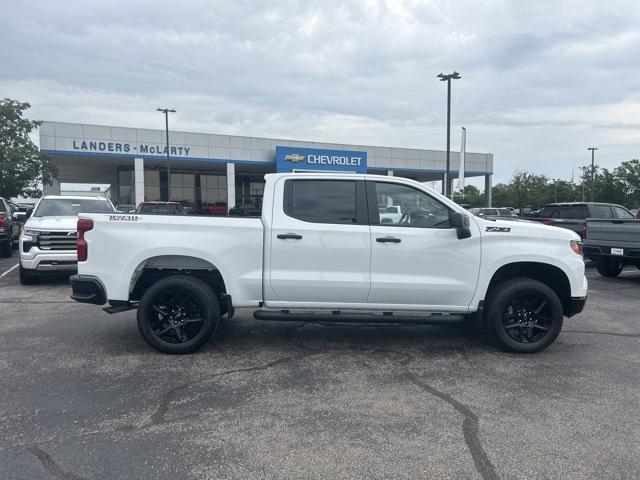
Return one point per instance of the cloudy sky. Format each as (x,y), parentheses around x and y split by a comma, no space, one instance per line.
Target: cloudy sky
(542,80)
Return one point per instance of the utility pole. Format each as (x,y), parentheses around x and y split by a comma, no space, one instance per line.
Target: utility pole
(555,186)
(593,168)
(446,187)
(166,112)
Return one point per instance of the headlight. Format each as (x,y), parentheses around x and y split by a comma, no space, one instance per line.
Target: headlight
(29,231)
(576,246)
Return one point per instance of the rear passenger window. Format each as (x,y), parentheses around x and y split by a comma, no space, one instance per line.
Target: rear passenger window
(602,211)
(579,212)
(321,201)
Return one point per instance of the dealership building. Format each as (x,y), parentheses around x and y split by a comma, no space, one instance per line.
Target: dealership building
(224,170)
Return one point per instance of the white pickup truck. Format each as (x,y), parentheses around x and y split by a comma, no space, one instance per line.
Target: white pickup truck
(320,253)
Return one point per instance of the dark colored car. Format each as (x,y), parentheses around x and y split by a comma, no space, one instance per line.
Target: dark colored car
(573,215)
(217,208)
(126,208)
(6,229)
(161,208)
(245,210)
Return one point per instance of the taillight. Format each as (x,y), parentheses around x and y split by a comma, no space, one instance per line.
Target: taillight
(84,225)
(3,217)
(583,231)
(546,221)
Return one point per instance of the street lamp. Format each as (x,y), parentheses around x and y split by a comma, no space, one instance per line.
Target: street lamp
(593,168)
(446,188)
(166,112)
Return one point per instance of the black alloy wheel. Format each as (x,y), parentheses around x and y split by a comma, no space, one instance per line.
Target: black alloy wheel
(178,318)
(527,318)
(523,315)
(178,314)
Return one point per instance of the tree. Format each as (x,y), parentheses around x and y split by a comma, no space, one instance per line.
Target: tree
(23,169)
(628,174)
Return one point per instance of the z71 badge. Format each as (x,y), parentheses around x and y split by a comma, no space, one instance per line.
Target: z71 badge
(123,218)
(499,229)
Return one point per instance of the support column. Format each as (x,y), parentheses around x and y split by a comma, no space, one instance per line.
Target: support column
(231,185)
(488,200)
(52,188)
(138,180)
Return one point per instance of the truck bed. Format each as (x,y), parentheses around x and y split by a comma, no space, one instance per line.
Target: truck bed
(119,245)
(613,237)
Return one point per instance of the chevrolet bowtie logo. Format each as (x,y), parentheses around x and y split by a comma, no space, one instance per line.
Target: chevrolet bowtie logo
(294,158)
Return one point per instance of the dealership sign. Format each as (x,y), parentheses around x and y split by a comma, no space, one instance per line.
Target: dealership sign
(107,146)
(295,158)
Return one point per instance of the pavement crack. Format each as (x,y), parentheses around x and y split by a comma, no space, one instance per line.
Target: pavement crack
(470,428)
(53,469)
(614,334)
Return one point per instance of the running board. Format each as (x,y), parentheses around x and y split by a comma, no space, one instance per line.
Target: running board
(337,317)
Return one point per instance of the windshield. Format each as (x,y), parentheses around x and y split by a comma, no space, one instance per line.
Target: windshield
(70,207)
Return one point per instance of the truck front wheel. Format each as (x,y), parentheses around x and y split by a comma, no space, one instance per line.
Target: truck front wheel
(178,314)
(609,268)
(523,315)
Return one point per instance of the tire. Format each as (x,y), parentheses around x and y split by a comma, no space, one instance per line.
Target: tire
(178,314)
(523,315)
(609,268)
(27,278)
(6,249)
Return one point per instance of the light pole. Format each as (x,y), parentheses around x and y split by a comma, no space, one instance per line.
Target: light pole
(446,188)
(166,112)
(593,168)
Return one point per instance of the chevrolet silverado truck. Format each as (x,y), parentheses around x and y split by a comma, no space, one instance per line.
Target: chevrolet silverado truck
(613,243)
(48,239)
(320,252)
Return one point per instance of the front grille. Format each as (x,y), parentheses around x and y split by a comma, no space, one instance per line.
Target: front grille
(57,240)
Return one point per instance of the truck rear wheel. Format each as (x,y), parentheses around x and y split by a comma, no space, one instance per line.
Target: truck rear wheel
(523,315)
(178,314)
(610,268)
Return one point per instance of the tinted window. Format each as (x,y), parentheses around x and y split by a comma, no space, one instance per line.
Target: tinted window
(602,211)
(322,201)
(65,207)
(505,212)
(550,212)
(2,207)
(415,208)
(160,209)
(575,211)
(620,212)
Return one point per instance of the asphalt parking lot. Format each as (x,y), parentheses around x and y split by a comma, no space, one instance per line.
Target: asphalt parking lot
(83,397)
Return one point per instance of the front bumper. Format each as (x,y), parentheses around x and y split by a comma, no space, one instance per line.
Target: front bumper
(49,260)
(87,289)
(576,306)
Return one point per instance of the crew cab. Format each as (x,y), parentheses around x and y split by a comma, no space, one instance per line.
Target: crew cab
(320,252)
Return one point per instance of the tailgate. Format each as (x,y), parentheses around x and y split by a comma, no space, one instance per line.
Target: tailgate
(614,231)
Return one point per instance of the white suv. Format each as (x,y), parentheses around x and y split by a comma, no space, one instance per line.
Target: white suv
(48,240)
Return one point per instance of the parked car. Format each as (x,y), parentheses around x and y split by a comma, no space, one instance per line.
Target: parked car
(392,214)
(573,215)
(160,208)
(7,228)
(493,213)
(612,244)
(217,208)
(320,247)
(19,215)
(48,239)
(245,210)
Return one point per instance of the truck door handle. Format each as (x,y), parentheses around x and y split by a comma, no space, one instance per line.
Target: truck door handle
(293,236)
(388,240)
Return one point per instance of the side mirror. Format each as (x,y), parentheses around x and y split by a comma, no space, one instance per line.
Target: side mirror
(19,216)
(461,223)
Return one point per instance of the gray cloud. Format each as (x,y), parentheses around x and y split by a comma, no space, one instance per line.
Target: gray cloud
(541,80)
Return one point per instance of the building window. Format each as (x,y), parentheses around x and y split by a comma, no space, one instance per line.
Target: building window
(213,189)
(152,185)
(183,188)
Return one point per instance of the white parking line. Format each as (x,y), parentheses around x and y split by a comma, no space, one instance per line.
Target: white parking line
(10,270)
